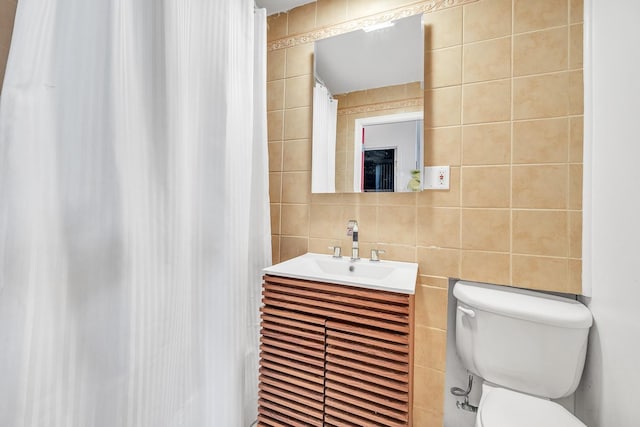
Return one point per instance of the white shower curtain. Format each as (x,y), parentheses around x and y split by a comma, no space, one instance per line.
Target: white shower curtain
(323,155)
(133,213)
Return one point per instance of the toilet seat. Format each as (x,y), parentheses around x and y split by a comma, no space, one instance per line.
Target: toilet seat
(505,408)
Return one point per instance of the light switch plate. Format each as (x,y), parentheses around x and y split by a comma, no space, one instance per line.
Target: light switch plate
(436,178)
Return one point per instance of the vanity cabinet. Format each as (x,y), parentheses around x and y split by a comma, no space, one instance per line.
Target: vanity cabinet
(334,355)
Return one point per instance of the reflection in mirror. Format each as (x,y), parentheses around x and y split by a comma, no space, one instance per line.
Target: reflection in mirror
(392,153)
(369,81)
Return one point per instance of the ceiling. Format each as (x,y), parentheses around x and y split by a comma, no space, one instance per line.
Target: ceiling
(359,60)
(276,6)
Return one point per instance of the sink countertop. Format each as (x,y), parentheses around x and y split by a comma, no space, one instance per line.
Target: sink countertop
(391,276)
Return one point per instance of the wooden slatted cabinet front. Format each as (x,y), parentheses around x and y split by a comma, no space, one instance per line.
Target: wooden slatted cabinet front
(334,355)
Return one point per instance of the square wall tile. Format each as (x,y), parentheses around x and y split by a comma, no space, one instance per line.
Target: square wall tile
(541,96)
(541,141)
(488,267)
(486,144)
(295,220)
(486,229)
(326,221)
(540,232)
(442,146)
(299,60)
(531,15)
(438,227)
(487,19)
(297,123)
(540,52)
(443,67)
(291,247)
(397,224)
(296,187)
(442,106)
(487,60)
(430,348)
(486,186)
(540,187)
(299,91)
(296,155)
(443,28)
(438,262)
(541,273)
(486,102)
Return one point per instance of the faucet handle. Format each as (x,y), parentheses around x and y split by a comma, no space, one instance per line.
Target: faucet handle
(352,226)
(337,251)
(375,254)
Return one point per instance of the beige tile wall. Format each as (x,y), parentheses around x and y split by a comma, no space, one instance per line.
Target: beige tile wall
(7,15)
(503,107)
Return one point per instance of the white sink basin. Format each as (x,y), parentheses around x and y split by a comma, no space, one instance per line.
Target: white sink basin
(384,275)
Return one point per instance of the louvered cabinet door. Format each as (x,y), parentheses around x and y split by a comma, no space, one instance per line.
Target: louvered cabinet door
(368,374)
(292,353)
(369,365)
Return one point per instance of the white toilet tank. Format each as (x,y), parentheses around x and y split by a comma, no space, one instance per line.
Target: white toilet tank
(523,340)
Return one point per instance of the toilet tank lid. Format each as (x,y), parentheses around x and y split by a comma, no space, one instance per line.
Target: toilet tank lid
(524,304)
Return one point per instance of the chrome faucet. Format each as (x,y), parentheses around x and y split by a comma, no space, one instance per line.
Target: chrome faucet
(352,230)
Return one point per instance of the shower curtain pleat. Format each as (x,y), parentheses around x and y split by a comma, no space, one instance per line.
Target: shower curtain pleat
(133,213)
(323,156)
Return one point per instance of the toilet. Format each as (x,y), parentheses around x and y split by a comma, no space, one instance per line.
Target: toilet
(528,347)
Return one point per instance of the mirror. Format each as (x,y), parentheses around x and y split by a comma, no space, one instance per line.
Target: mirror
(367,109)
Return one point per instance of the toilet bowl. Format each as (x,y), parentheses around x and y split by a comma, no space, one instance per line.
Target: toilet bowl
(500,407)
(528,347)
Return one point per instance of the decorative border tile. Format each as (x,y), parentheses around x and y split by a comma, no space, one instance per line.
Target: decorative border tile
(414,102)
(356,24)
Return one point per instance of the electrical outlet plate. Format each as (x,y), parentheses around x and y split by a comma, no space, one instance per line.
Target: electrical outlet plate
(436,178)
